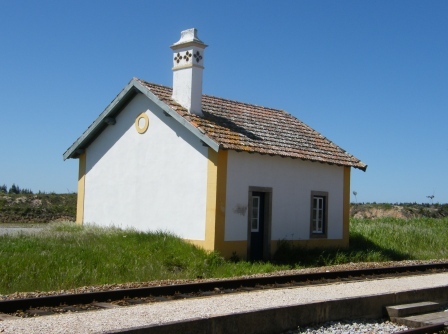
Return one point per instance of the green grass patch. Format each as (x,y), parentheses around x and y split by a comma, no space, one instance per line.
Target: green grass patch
(377,240)
(419,238)
(66,255)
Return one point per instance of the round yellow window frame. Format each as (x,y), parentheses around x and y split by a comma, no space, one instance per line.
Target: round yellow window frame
(142,123)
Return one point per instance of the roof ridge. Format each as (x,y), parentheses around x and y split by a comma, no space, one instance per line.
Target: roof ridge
(151,83)
(244,103)
(219,98)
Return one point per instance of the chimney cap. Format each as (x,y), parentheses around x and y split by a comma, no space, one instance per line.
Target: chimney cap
(188,37)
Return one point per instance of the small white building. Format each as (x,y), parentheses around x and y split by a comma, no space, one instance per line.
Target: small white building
(224,175)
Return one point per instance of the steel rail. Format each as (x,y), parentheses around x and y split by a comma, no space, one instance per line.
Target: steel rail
(10,306)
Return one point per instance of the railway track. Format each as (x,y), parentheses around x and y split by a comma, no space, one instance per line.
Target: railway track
(28,307)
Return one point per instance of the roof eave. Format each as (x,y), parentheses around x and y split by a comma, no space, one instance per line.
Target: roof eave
(99,124)
(358,165)
(362,167)
(114,108)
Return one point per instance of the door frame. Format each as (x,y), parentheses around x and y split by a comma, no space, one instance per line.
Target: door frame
(267,220)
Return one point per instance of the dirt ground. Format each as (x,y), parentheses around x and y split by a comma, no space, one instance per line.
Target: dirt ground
(403,211)
(20,228)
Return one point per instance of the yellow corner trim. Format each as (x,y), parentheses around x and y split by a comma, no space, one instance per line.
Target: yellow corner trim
(346,205)
(216,200)
(210,215)
(221,194)
(81,189)
(142,123)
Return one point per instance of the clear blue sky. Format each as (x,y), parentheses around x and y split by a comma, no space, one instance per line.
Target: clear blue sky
(372,76)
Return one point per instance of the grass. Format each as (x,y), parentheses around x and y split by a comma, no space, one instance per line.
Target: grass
(419,238)
(378,240)
(66,255)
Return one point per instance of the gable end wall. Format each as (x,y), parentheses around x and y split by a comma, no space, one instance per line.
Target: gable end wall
(156,180)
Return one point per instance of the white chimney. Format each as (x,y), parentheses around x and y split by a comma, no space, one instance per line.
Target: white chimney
(188,60)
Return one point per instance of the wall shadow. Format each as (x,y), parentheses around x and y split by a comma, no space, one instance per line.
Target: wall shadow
(361,249)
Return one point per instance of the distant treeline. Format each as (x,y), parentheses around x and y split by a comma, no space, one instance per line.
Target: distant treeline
(14,189)
(404,204)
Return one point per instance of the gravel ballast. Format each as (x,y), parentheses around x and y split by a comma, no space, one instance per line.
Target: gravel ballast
(358,326)
(104,321)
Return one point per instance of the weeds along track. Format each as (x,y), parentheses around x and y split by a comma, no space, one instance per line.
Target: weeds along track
(29,307)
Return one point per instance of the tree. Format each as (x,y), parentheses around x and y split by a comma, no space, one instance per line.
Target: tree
(3,189)
(14,189)
(26,191)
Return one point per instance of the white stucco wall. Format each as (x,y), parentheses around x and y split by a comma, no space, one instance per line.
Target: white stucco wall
(151,181)
(292,181)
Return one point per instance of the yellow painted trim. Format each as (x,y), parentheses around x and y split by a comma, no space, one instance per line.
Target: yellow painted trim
(346,207)
(227,248)
(310,243)
(197,243)
(142,129)
(221,193)
(216,200)
(81,189)
(210,215)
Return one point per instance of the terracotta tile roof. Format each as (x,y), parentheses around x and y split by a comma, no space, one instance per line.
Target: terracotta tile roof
(250,128)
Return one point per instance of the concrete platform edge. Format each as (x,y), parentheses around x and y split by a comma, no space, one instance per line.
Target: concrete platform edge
(275,320)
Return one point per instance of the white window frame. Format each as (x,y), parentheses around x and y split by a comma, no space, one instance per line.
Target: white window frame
(319,214)
(255,218)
